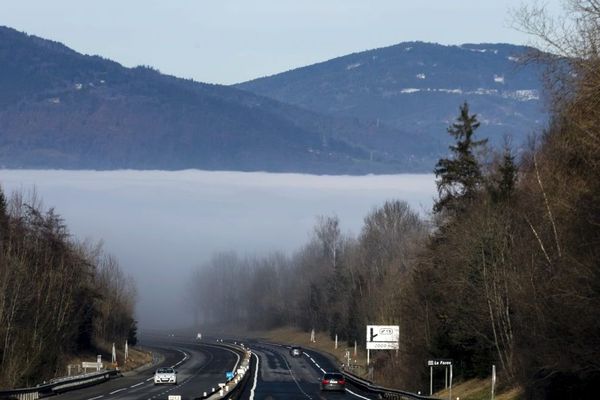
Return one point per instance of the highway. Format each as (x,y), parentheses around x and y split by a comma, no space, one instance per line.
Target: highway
(200,367)
(281,376)
(274,375)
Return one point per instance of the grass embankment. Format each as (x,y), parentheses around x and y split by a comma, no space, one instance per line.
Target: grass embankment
(474,389)
(479,389)
(137,358)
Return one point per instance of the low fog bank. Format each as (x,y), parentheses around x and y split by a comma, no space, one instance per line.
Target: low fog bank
(161,224)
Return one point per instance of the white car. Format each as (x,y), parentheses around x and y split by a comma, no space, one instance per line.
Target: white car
(165,375)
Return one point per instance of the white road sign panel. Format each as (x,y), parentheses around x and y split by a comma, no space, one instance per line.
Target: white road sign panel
(383,337)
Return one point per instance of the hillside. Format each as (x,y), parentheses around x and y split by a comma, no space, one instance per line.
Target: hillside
(62,109)
(417,87)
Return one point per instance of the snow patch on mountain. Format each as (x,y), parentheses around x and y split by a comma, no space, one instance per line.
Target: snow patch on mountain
(519,95)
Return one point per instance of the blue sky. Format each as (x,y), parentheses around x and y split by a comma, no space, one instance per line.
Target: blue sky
(229,41)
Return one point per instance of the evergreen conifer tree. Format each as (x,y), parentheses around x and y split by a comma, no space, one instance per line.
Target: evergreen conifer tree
(503,185)
(459,177)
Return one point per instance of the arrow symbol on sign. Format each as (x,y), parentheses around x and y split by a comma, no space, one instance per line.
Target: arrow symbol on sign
(373,335)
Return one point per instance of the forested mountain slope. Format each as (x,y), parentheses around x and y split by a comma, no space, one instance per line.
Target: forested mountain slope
(417,87)
(62,109)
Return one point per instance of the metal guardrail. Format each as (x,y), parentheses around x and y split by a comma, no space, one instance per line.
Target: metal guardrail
(382,392)
(58,386)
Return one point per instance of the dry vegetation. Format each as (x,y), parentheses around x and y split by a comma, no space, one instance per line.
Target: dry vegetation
(58,297)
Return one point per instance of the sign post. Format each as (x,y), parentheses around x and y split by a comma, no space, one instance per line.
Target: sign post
(430,380)
(382,337)
(439,363)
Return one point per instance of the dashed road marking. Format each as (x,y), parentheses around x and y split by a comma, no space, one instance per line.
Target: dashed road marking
(117,391)
(136,385)
(97,397)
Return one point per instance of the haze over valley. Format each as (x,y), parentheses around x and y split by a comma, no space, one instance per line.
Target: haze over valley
(162,224)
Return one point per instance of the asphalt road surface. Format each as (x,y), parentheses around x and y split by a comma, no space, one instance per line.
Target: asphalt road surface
(281,376)
(200,368)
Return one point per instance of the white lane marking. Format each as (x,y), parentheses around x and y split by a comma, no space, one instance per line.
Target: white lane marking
(255,377)
(117,391)
(314,362)
(357,395)
(347,390)
(149,379)
(294,378)
(97,397)
(136,385)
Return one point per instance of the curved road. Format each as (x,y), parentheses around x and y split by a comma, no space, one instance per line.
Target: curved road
(200,367)
(281,376)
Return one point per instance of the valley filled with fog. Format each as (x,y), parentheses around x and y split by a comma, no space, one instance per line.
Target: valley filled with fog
(162,224)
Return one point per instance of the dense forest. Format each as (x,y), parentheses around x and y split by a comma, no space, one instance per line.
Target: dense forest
(505,271)
(58,297)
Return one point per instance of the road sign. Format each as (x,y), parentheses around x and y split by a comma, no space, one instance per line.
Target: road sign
(383,337)
(95,365)
(439,363)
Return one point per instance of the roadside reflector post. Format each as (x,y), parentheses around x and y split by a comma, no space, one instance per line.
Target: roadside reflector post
(450,393)
(493,380)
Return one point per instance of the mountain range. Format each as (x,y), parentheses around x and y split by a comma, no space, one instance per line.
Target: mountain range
(417,87)
(380,111)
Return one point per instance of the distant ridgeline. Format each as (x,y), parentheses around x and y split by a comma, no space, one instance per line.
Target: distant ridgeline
(379,111)
(417,87)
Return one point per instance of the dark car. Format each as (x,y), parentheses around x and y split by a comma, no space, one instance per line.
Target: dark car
(333,381)
(295,351)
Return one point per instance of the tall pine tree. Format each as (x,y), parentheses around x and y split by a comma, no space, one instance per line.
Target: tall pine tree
(459,177)
(504,180)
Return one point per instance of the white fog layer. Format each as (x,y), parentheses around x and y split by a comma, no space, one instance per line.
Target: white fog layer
(161,224)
